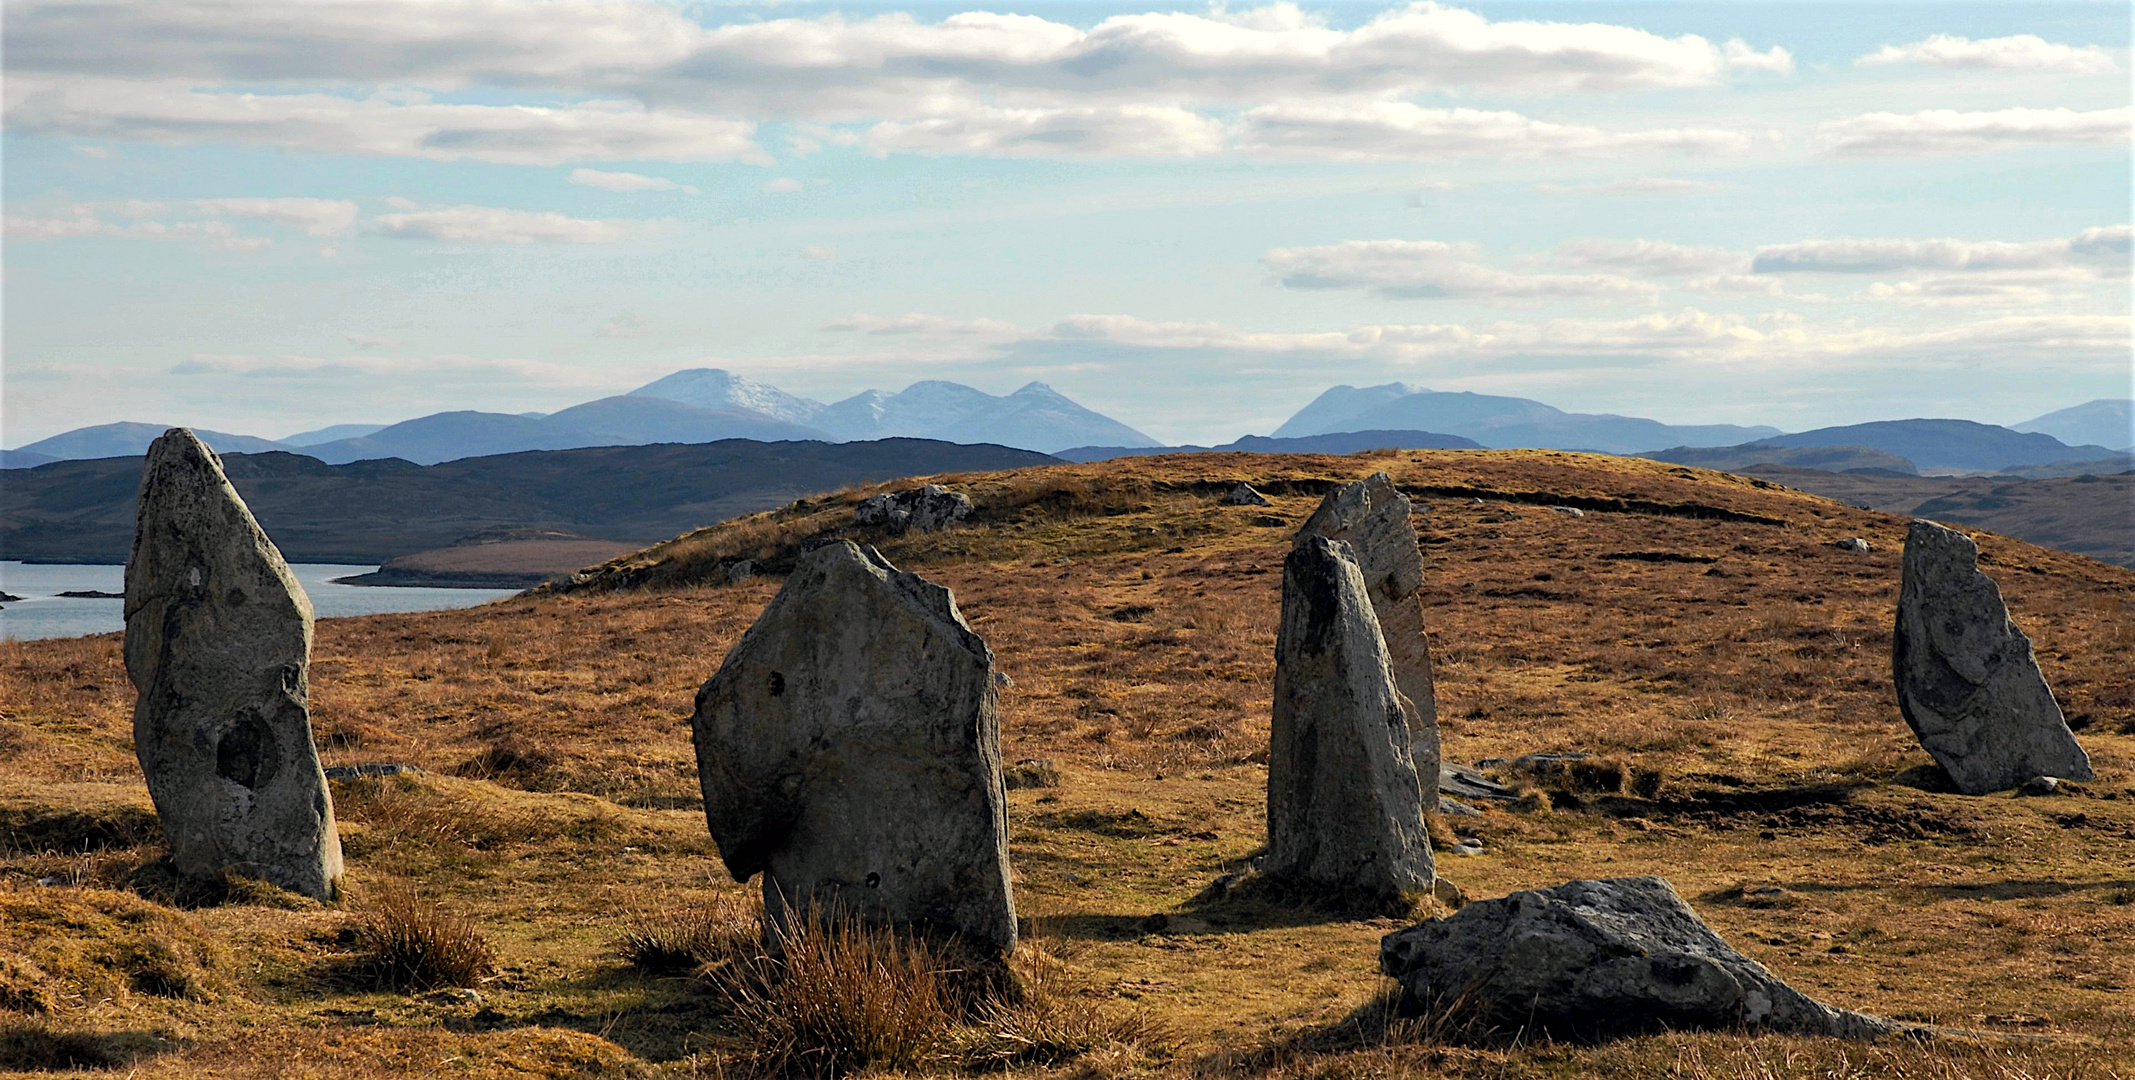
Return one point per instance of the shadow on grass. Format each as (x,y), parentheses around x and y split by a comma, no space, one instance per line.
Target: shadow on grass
(39,1047)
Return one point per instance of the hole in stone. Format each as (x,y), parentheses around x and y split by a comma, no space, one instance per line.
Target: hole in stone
(778,684)
(248,753)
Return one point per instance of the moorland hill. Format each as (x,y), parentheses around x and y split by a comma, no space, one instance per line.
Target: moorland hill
(376,511)
(1697,629)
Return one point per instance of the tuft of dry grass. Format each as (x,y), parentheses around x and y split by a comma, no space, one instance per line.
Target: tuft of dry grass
(842,995)
(701,938)
(1050,1019)
(405,942)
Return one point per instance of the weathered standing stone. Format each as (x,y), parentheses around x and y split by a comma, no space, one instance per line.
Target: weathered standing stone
(922,509)
(1967,681)
(1373,517)
(849,751)
(1597,958)
(1344,813)
(218,644)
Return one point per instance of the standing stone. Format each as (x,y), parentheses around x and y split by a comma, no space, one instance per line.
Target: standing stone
(1373,517)
(218,644)
(1344,816)
(1968,684)
(849,751)
(1597,958)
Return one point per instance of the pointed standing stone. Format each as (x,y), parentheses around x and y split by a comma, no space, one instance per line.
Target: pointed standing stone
(849,751)
(1373,516)
(218,644)
(1967,681)
(1344,814)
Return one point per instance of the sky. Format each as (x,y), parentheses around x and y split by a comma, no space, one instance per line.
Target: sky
(265,216)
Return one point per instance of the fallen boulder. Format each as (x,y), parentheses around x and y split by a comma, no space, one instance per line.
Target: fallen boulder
(1968,684)
(1344,812)
(849,751)
(1244,495)
(1591,959)
(218,645)
(1372,516)
(923,509)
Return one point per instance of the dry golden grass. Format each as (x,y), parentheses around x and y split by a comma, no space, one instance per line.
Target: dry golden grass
(1695,629)
(406,942)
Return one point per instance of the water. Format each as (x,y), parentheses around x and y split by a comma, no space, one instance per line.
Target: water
(43,613)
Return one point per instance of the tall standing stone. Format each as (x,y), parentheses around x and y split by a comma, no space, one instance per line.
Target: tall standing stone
(849,751)
(1373,517)
(1967,681)
(1344,810)
(218,644)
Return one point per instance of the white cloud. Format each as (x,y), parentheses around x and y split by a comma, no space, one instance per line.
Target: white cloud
(784,185)
(624,325)
(817,253)
(626,182)
(1651,257)
(496,225)
(178,113)
(624,80)
(371,341)
(1947,131)
(639,47)
(1652,187)
(1430,268)
(318,217)
(1972,290)
(1690,336)
(923,325)
(2019,51)
(81,221)
(1385,130)
(1109,131)
(2103,250)
(1775,60)
(423,371)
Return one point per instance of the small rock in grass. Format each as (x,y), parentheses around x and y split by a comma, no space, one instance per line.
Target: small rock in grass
(1597,958)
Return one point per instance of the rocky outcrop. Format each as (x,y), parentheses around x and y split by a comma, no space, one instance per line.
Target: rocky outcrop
(1372,516)
(1967,682)
(218,644)
(922,509)
(849,751)
(1596,958)
(1344,810)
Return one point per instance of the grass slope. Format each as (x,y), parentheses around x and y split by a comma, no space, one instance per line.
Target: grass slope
(1695,624)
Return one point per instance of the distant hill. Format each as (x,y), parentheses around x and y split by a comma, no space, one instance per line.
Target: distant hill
(1036,417)
(132,439)
(23,459)
(1337,404)
(1840,459)
(711,388)
(372,511)
(2107,466)
(1501,422)
(2107,422)
(330,434)
(1346,442)
(614,421)
(1943,446)
(2089,515)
